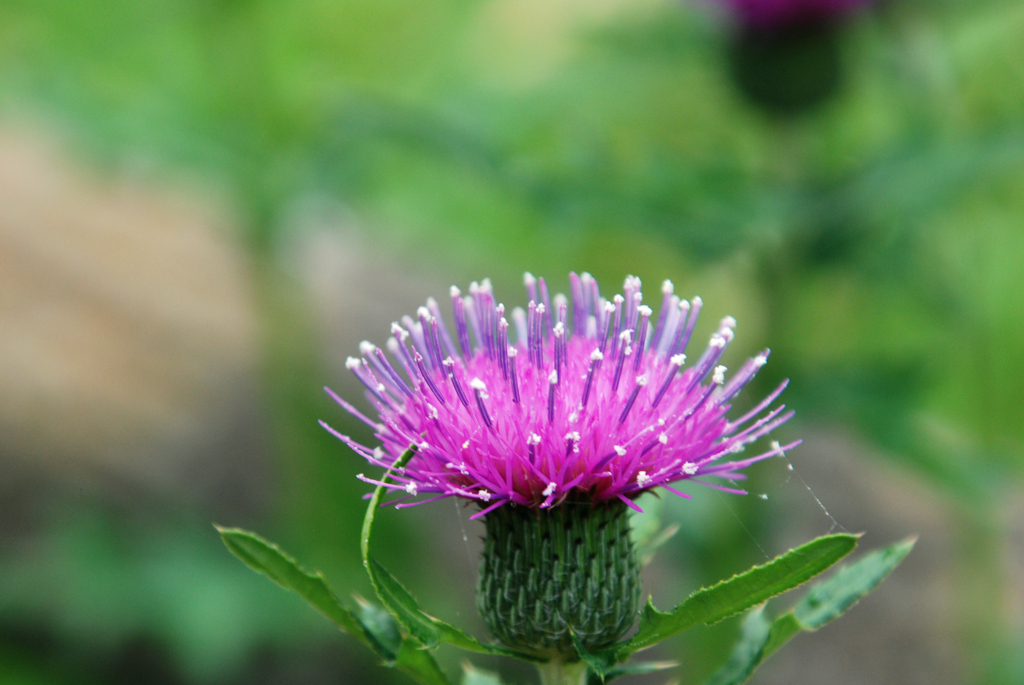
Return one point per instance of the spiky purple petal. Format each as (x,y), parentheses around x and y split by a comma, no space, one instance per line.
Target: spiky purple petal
(560,424)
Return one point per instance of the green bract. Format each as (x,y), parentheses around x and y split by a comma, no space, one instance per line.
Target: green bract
(545,571)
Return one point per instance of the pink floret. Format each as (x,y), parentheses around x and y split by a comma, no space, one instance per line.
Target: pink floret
(575,408)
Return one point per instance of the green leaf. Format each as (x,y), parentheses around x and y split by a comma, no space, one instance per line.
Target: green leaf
(396,598)
(747,654)
(462,640)
(425,628)
(400,603)
(268,559)
(474,676)
(602,668)
(380,623)
(418,663)
(599,664)
(823,603)
(735,595)
(372,626)
(631,669)
(828,600)
(782,631)
(371,511)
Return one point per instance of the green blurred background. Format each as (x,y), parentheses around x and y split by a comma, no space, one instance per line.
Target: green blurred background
(206,205)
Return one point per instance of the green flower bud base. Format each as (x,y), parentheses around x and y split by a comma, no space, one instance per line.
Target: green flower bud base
(546,571)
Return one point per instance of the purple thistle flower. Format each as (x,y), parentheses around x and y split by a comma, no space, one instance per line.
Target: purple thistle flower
(596,407)
(769,14)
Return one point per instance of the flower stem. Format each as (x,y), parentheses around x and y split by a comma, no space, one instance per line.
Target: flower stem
(557,672)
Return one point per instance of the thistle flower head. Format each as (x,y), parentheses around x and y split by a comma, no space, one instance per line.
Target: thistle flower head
(590,400)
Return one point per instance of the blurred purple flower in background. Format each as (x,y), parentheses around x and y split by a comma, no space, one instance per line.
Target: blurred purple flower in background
(594,407)
(786,55)
(773,14)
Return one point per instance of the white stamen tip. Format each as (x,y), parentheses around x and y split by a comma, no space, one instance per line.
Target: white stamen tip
(553,378)
(645,310)
(559,330)
(717,341)
(512,352)
(729,322)
(423,313)
(684,306)
(465,445)
(609,308)
(572,419)
(431,411)
(641,380)
(352,363)
(549,490)
(541,309)
(626,336)
(663,439)
(678,359)
(638,297)
(533,439)
(478,384)
(763,496)
(719,377)
(667,287)
(661,422)
(621,451)
(698,301)
(760,360)
(392,345)
(596,356)
(378,452)
(449,362)
(776,446)
(619,299)
(689,468)
(728,334)
(411,488)
(737,448)
(642,479)
(454,291)
(528,279)
(367,347)
(484,495)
